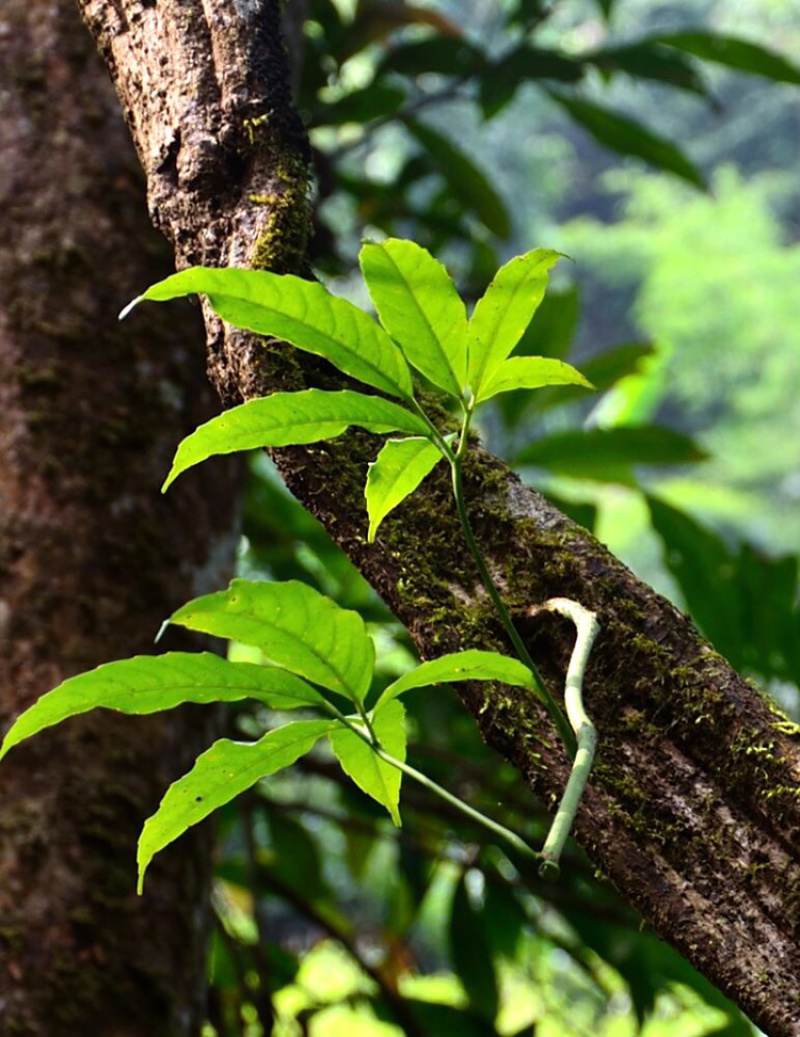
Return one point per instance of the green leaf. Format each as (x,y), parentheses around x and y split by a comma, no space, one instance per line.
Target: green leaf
(552,330)
(286,418)
(442,55)
(220,774)
(370,102)
(474,664)
(603,370)
(372,775)
(149,683)
(742,55)
(467,183)
(295,627)
(706,573)
(300,312)
(648,59)
(606,455)
(628,137)
(530,372)
(502,79)
(398,470)
(504,312)
(419,306)
(471,954)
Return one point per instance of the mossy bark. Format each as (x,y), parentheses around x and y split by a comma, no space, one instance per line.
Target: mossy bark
(693,810)
(91,559)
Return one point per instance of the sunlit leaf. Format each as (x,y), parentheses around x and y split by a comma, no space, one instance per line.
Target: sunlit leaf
(419,306)
(294,626)
(628,137)
(607,455)
(474,664)
(149,683)
(291,417)
(372,775)
(219,774)
(467,183)
(530,372)
(504,312)
(743,55)
(398,470)
(301,312)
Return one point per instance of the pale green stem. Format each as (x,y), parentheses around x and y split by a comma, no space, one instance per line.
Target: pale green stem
(495,827)
(587,629)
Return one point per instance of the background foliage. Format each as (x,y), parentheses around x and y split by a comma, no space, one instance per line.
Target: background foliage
(480,130)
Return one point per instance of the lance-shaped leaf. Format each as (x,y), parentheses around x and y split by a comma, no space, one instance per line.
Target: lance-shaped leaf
(373,775)
(301,312)
(466,181)
(628,137)
(398,470)
(472,665)
(419,306)
(286,418)
(530,372)
(294,626)
(220,774)
(743,55)
(149,683)
(505,311)
(607,454)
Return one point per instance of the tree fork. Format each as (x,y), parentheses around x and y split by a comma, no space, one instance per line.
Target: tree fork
(693,808)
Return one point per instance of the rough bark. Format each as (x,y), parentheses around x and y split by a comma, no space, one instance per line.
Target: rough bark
(693,810)
(91,560)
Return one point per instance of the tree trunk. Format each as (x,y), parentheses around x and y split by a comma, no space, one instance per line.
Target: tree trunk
(693,810)
(91,559)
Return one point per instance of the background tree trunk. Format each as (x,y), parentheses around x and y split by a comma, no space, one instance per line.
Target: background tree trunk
(693,810)
(91,558)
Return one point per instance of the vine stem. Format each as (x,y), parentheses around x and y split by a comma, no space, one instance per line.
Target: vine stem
(455,460)
(587,628)
(495,827)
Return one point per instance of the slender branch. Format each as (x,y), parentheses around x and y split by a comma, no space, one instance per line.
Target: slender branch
(587,629)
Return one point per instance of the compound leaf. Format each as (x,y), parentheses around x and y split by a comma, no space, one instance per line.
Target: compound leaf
(397,471)
(219,774)
(285,418)
(149,683)
(419,306)
(372,774)
(294,626)
(301,312)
